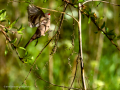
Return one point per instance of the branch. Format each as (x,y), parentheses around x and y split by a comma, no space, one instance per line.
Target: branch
(57,85)
(80,49)
(18,1)
(93,20)
(7,37)
(58,31)
(75,73)
(100,1)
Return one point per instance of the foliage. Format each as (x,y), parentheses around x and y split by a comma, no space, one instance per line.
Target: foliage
(56,62)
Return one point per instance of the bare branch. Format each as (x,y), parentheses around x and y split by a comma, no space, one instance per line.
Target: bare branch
(93,20)
(75,73)
(80,49)
(57,85)
(100,1)
(58,32)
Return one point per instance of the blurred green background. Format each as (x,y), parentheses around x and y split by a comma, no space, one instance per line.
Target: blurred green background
(101,58)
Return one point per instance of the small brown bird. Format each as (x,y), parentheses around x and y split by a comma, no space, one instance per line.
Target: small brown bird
(37,18)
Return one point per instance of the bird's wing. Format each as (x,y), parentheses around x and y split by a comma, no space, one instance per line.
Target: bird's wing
(34,15)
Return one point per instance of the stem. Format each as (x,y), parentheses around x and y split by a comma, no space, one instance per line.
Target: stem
(100,1)
(57,33)
(8,38)
(80,50)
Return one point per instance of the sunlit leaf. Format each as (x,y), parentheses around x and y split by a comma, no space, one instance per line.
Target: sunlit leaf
(20,40)
(75,6)
(6,50)
(21,28)
(22,48)
(80,1)
(19,32)
(13,41)
(101,18)
(2,15)
(11,25)
(89,20)
(45,1)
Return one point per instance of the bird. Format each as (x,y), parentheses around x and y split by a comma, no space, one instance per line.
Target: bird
(37,18)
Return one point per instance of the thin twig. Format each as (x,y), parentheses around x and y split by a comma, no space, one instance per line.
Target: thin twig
(7,37)
(80,50)
(58,31)
(60,12)
(18,1)
(75,73)
(100,1)
(55,84)
(93,20)
(36,59)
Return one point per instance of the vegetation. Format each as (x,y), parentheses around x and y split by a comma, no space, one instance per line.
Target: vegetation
(56,62)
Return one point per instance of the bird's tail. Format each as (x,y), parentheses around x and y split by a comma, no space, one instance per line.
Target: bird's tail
(35,36)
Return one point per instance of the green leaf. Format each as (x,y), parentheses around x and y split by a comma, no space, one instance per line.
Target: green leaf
(80,1)
(96,32)
(21,28)
(19,32)
(20,40)
(101,18)
(26,53)
(103,25)
(6,50)
(11,25)
(89,20)
(2,15)
(9,22)
(13,41)
(118,37)
(110,32)
(14,27)
(6,30)
(106,29)
(27,1)
(3,20)
(22,48)
(75,6)
(13,47)
(45,1)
